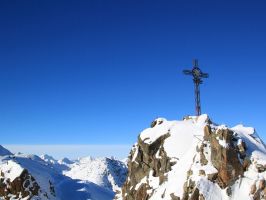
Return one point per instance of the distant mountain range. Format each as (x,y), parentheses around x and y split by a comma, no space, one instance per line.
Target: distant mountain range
(40,178)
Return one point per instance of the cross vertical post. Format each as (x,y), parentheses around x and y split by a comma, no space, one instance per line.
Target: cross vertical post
(197,79)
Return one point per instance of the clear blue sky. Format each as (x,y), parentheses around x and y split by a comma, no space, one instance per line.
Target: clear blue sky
(98,72)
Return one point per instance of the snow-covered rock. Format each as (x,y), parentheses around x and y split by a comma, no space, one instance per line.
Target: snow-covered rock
(195,159)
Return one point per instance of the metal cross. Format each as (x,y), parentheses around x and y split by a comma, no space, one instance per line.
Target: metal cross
(197,79)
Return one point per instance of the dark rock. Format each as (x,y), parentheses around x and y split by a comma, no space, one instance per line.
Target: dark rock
(253,189)
(203,160)
(174,197)
(141,194)
(212,177)
(195,195)
(207,132)
(201,197)
(146,161)
(229,191)
(153,123)
(225,160)
(246,164)
(202,172)
(156,122)
(262,184)
(24,185)
(260,168)
(257,195)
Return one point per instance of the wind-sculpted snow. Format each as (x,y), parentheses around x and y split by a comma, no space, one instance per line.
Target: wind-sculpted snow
(195,159)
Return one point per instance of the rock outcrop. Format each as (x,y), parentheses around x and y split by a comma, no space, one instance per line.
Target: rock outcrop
(195,159)
(23,186)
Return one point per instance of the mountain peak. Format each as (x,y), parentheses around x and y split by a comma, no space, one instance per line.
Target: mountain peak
(4,151)
(195,159)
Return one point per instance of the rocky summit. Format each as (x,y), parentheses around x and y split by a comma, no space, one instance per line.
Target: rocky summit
(195,159)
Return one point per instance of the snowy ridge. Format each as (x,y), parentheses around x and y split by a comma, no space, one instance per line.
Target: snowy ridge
(4,152)
(110,173)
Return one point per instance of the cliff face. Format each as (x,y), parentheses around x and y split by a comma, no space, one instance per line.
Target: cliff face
(195,159)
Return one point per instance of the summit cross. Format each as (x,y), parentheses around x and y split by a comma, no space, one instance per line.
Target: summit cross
(197,79)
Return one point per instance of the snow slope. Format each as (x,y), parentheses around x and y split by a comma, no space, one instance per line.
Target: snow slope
(4,152)
(106,172)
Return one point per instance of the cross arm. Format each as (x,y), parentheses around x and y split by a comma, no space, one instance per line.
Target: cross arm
(187,72)
(204,75)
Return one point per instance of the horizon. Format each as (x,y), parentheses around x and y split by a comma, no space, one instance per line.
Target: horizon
(73,151)
(76,151)
(97,73)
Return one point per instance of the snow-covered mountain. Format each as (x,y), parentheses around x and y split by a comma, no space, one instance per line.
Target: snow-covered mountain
(196,159)
(4,152)
(25,177)
(110,173)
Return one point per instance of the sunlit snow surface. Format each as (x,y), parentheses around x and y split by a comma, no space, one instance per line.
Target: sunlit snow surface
(106,172)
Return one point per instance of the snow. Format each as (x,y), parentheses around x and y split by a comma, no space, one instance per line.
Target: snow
(249,136)
(152,134)
(78,190)
(48,159)
(181,133)
(143,180)
(223,143)
(209,190)
(245,130)
(135,150)
(105,172)
(11,170)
